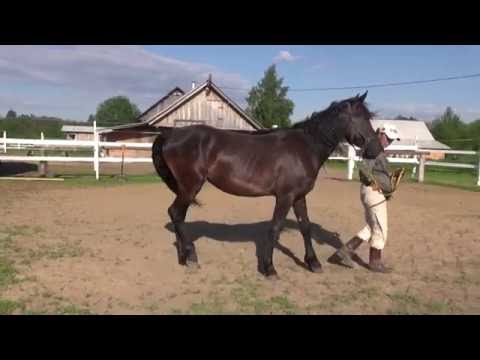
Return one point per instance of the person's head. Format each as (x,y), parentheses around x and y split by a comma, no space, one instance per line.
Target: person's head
(387,134)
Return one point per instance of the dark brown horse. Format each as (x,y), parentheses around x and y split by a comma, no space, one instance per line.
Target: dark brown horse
(283,163)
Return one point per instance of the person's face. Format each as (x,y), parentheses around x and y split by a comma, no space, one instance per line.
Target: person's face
(384,140)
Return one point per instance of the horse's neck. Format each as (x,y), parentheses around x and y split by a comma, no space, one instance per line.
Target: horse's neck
(326,135)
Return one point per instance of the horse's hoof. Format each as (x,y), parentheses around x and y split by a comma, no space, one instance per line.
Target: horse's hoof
(317,269)
(272,277)
(193,265)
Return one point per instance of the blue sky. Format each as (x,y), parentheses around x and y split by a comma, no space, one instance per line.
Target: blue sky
(70,81)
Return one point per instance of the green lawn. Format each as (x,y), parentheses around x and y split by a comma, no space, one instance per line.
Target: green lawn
(434,175)
(109,180)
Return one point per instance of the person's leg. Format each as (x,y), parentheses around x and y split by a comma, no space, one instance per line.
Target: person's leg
(343,256)
(379,226)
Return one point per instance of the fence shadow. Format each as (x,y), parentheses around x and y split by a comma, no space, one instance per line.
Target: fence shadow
(14,168)
(256,233)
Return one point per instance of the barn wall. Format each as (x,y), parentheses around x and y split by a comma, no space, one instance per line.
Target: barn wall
(129,136)
(81,136)
(211,109)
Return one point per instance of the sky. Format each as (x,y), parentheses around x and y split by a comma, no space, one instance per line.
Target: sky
(70,81)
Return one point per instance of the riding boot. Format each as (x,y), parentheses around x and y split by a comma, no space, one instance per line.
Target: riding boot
(375,263)
(343,256)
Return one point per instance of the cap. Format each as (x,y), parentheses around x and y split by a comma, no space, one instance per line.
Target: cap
(390,131)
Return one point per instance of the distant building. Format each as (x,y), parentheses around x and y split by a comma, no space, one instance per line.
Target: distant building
(78,132)
(415,132)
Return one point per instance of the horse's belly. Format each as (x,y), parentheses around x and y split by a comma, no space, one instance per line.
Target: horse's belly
(236,184)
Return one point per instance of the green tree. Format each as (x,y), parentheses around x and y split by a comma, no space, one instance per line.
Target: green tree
(11,114)
(116,111)
(474,132)
(449,128)
(268,102)
(401,117)
(91,119)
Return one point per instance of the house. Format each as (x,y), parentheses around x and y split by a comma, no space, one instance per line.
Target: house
(415,132)
(78,132)
(205,104)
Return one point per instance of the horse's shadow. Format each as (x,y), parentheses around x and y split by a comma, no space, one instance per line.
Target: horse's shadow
(257,233)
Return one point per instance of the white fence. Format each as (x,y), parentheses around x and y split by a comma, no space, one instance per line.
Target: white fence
(417,156)
(96,145)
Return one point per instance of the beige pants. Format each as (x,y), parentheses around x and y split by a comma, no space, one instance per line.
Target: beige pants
(375,232)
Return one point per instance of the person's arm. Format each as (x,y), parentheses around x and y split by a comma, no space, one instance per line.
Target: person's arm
(381,174)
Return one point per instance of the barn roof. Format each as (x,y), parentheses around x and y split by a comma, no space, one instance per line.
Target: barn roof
(412,132)
(164,101)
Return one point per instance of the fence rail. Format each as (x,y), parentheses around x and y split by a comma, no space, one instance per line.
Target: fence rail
(417,156)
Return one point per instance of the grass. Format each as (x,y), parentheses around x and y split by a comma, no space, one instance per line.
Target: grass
(408,304)
(7,307)
(72,310)
(108,180)
(7,272)
(465,179)
(244,298)
(55,251)
(7,234)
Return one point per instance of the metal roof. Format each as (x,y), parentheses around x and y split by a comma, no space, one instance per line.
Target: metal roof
(412,132)
(79,128)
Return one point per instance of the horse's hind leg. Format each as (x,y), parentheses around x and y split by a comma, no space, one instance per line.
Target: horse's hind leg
(187,254)
(282,208)
(300,209)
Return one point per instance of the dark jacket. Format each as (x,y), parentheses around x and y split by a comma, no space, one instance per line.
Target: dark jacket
(378,169)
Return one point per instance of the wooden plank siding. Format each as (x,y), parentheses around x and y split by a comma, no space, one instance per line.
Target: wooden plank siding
(210,109)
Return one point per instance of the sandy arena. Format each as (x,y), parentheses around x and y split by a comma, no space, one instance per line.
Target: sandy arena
(110,250)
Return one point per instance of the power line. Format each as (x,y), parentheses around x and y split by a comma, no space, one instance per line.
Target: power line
(375,85)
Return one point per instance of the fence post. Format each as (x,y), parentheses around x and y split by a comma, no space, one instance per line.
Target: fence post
(123,158)
(351,161)
(421,169)
(4,141)
(43,164)
(478,169)
(95,151)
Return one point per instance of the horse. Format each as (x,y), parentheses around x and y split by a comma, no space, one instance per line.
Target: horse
(283,163)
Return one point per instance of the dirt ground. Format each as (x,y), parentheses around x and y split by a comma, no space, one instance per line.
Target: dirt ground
(110,250)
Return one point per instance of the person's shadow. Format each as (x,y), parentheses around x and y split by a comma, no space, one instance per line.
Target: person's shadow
(257,233)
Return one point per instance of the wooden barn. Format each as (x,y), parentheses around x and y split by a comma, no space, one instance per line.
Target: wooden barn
(204,104)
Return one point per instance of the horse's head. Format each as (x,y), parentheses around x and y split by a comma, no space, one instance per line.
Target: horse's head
(356,117)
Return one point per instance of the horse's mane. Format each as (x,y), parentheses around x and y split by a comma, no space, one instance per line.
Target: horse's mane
(328,113)
(322,124)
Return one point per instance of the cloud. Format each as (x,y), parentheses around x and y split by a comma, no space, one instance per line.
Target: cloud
(82,76)
(284,55)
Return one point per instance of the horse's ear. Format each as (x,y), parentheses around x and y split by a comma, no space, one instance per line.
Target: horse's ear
(363,97)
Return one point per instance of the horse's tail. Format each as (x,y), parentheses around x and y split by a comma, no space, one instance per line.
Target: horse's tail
(161,166)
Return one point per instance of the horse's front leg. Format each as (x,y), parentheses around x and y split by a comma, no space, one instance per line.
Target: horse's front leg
(282,207)
(300,209)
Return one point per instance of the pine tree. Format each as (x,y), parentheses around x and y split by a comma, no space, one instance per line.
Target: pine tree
(268,102)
